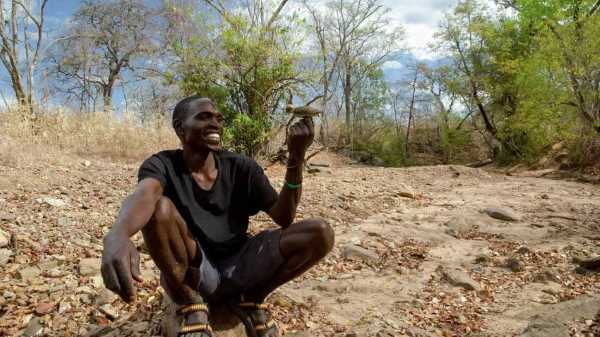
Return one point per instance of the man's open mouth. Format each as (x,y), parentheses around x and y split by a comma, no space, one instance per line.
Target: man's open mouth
(213,137)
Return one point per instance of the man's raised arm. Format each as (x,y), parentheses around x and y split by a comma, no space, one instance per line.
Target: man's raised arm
(300,136)
(120,258)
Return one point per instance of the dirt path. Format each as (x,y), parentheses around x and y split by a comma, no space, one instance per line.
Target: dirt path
(415,254)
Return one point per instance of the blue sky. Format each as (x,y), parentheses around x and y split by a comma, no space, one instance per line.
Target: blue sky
(419,18)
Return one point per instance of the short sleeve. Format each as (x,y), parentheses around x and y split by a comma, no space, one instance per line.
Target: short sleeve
(262,196)
(153,167)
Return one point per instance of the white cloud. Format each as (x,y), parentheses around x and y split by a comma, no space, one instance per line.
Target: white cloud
(392,65)
(419,18)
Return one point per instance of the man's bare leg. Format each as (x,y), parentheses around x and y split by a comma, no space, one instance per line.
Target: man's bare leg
(302,245)
(173,249)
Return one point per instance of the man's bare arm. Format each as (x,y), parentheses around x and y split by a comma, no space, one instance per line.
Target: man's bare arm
(300,136)
(284,210)
(137,209)
(120,258)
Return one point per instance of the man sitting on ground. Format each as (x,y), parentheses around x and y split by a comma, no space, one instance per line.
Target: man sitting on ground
(192,206)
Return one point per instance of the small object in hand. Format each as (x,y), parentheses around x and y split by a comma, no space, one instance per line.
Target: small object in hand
(303,111)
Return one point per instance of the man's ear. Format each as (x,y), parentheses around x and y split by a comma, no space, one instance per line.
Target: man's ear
(178,126)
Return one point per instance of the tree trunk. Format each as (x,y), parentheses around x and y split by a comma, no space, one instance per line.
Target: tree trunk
(107,98)
(410,113)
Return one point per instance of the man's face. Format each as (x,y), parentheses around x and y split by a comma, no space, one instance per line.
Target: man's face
(202,127)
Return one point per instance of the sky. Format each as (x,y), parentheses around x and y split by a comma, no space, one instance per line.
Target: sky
(419,18)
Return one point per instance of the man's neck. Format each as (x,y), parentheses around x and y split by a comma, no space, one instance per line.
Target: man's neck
(199,161)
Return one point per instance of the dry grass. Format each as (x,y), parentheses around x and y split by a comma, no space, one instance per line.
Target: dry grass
(53,136)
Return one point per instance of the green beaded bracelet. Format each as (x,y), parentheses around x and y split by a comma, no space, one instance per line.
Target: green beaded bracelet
(293,186)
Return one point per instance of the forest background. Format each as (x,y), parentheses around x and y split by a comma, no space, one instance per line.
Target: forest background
(510,80)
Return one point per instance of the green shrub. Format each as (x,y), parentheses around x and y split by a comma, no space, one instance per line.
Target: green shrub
(245,134)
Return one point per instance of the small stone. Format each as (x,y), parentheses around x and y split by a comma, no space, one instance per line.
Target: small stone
(64,307)
(458,227)
(355,252)
(64,222)
(34,327)
(44,308)
(54,202)
(89,266)
(502,214)
(523,250)
(105,296)
(110,312)
(5,255)
(514,264)
(97,282)
(9,295)
(87,163)
(4,238)
(29,273)
(546,275)
(461,279)
(483,258)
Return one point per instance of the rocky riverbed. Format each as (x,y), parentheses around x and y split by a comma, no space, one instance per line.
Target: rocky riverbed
(424,251)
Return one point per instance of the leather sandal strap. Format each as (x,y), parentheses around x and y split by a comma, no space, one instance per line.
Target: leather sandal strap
(265,326)
(261,306)
(196,307)
(195,328)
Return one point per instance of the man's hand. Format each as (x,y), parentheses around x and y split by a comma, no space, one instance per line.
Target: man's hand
(300,136)
(120,266)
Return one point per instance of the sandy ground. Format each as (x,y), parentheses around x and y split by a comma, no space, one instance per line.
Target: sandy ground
(416,254)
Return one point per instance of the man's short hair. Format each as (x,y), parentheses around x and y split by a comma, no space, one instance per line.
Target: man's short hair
(182,109)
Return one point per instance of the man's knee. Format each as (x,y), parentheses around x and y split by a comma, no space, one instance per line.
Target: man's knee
(323,235)
(163,214)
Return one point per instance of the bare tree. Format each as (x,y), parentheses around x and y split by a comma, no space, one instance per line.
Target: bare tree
(350,32)
(105,39)
(19,51)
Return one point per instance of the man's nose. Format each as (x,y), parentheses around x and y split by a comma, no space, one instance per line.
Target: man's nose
(215,122)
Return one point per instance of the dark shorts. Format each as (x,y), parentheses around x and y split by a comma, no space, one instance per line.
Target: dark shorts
(255,263)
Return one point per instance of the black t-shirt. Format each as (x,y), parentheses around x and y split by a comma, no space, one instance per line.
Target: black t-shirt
(218,218)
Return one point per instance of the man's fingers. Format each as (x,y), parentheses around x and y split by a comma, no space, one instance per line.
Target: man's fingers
(135,266)
(309,122)
(109,276)
(127,289)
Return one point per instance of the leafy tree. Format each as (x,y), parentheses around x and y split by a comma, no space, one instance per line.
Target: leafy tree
(246,62)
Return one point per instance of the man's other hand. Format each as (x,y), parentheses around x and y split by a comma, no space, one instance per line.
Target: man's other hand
(120,266)
(300,136)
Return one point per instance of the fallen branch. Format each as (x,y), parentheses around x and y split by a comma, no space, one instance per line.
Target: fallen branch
(481,163)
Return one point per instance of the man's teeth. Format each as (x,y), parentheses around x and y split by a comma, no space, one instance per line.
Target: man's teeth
(213,136)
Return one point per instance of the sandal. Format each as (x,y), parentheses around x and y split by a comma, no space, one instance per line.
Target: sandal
(256,319)
(185,329)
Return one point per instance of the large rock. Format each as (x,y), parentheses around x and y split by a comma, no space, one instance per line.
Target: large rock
(503,214)
(90,266)
(354,252)
(545,328)
(4,238)
(459,278)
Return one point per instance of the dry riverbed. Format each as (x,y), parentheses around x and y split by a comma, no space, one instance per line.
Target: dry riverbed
(427,251)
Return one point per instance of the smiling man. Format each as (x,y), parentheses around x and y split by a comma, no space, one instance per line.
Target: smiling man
(192,206)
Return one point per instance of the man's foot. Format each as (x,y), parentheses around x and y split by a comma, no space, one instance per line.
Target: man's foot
(193,321)
(256,319)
